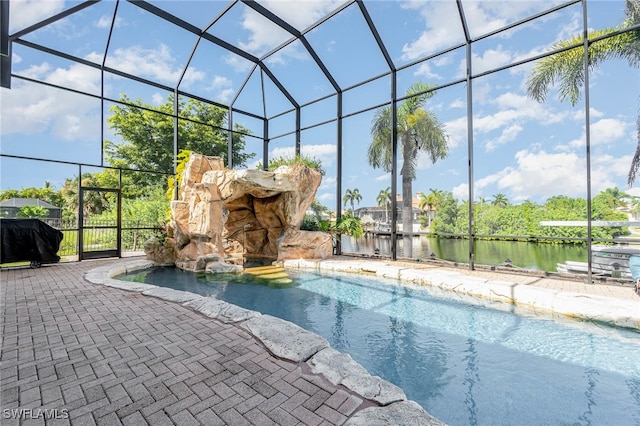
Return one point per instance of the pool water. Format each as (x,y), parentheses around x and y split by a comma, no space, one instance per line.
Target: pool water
(465,363)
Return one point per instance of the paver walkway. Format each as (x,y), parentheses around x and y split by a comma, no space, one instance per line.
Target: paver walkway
(87,354)
(75,353)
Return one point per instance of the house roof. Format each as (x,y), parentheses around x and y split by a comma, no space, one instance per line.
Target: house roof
(22,202)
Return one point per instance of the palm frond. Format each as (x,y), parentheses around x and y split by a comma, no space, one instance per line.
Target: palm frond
(379,153)
(567,67)
(635,162)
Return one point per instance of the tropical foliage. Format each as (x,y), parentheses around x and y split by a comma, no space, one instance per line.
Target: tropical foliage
(417,130)
(352,196)
(147,133)
(33,212)
(350,225)
(384,199)
(46,193)
(498,220)
(311,162)
(567,67)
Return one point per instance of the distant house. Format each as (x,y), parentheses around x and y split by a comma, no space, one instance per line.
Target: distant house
(382,218)
(10,208)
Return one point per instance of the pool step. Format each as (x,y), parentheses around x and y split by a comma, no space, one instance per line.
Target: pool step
(275,274)
(263,269)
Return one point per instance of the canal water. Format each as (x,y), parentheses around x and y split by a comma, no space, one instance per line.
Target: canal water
(534,256)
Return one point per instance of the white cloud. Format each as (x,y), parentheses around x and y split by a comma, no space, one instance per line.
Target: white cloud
(263,34)
(105,22)
(457,131)
(608,130)
(442,31)
(301,14)
(571,28)
(578,115)
(327,190)
(24,13)
(490,59)
(603,132)
(461,191)
(508,135)
(485,16)
(222,87)
(157,98)
(424,69)
(540,175)
(514,111)
(156,64)
(236,62)
(40,108)
(634,191)
(457,103)
(326,198)
(294,50)
(482,91)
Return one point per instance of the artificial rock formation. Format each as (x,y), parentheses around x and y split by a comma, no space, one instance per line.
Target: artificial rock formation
(223,218)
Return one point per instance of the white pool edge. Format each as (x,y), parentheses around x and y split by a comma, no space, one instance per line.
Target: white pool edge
(602,309)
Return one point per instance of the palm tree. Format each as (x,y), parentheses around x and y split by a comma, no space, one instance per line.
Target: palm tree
(429,202)
(567,67)
(351,196)
(616,196)
(417,129)
(318,209)
(500,200)
(94,202)
(384,199)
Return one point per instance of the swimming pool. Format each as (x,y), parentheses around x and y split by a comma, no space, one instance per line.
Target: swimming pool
(465,363)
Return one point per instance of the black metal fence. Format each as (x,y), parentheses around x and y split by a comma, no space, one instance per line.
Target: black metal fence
(102,234)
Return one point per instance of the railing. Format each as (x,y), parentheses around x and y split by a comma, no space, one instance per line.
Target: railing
(102,234)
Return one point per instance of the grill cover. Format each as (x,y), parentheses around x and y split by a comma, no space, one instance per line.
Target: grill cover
(29,240)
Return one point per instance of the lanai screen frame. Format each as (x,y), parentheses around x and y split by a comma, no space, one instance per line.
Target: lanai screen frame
(260,65)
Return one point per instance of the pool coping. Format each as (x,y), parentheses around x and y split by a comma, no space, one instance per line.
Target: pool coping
(288,341)
(612,311)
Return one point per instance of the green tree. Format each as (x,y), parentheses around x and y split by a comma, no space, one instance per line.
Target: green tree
(46,193)
(500,200)
(94,202)
(147,132)
(614,197)
(33,211)
(352,196)
(315,221)
(350,225)
(417,129)
(318,209)
(567,67)
(308,161)
(384,199)
(447,217)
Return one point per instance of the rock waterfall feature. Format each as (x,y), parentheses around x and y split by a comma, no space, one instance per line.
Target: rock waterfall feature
(225,219)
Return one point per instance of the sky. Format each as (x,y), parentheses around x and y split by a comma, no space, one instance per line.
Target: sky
(521,148)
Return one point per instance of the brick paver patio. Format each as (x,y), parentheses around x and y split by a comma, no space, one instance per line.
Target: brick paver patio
(85,354)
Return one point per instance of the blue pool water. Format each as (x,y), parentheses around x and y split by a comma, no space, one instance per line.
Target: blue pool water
(465,363)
